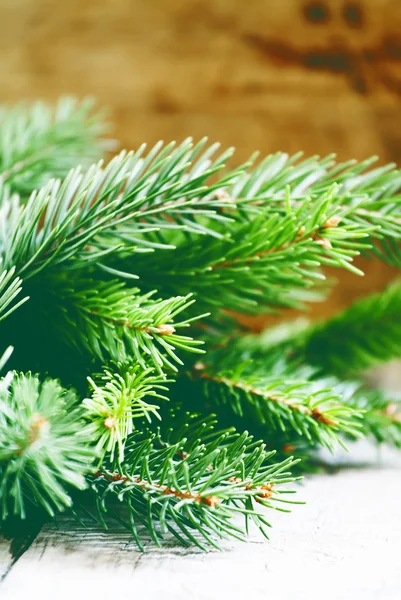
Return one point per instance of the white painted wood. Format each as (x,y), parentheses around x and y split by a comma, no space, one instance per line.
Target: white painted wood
(344,544)
(5,557)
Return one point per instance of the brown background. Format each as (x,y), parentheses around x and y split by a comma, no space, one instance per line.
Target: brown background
(321,76)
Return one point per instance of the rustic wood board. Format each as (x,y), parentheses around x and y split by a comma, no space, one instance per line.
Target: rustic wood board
(316,75)
(344,543)
(5,557)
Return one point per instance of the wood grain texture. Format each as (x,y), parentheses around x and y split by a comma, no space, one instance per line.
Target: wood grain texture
(271,77)
(344,543)
(5,557)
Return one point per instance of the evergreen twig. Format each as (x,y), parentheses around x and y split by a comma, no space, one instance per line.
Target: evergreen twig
(200,240)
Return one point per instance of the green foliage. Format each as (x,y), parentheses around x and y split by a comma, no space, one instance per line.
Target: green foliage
(193,490)
(257,379)
(365,197)
(280,402)
(287,219)
(116,401)
(38,142)
(10,288)
(367,333)
(381,414)
(199,240)
(44,447)
(109,320)
(270,261)
(110,208)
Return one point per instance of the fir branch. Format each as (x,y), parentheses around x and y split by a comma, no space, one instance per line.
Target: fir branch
(109,320)
(45,450)
(270,261)
(64,224)
(10,287)
(365,334)
(272,403)
(38,142)
(193,497)
(251,239)
(117,400)
(366,197)
(279,351)
(381,414)
(314,176)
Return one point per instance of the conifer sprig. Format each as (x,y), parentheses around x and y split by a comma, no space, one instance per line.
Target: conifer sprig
(45,448)
(381,413)
(367,333)
(59,222)
(111,321)
(193,495)
(198,239)
(118,399)
(38,142)
(286,401)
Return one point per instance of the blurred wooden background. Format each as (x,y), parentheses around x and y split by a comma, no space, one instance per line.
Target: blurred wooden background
(322,75)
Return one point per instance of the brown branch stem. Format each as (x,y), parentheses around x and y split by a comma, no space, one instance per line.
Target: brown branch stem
(315,413)
(210,501)
(162,329)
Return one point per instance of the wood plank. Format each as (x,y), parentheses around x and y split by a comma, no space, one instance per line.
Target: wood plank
(344,543)
(173,68)
(15,538)
(6,558)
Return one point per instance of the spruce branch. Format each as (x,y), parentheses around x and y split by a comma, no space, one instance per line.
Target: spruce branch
(270,261)
(280,351)
(314,176)
(66,223)
(45,449)
(272,403)
(118,399)
(287,219)
(109,320)
(366,196)
(38,142)
(193,497)
(251,239)
(363,335)
(381,413)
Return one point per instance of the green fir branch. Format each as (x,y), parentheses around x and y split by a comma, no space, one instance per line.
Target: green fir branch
(65,223)
(193,496)
(196,237)
(45,449)
(111,321)
(381,413)
(367,333)
(272,403)
(365,196)
(38,142)
(118,399)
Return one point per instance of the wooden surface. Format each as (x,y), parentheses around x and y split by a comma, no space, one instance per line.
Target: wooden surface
(344,544)
(317,75)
